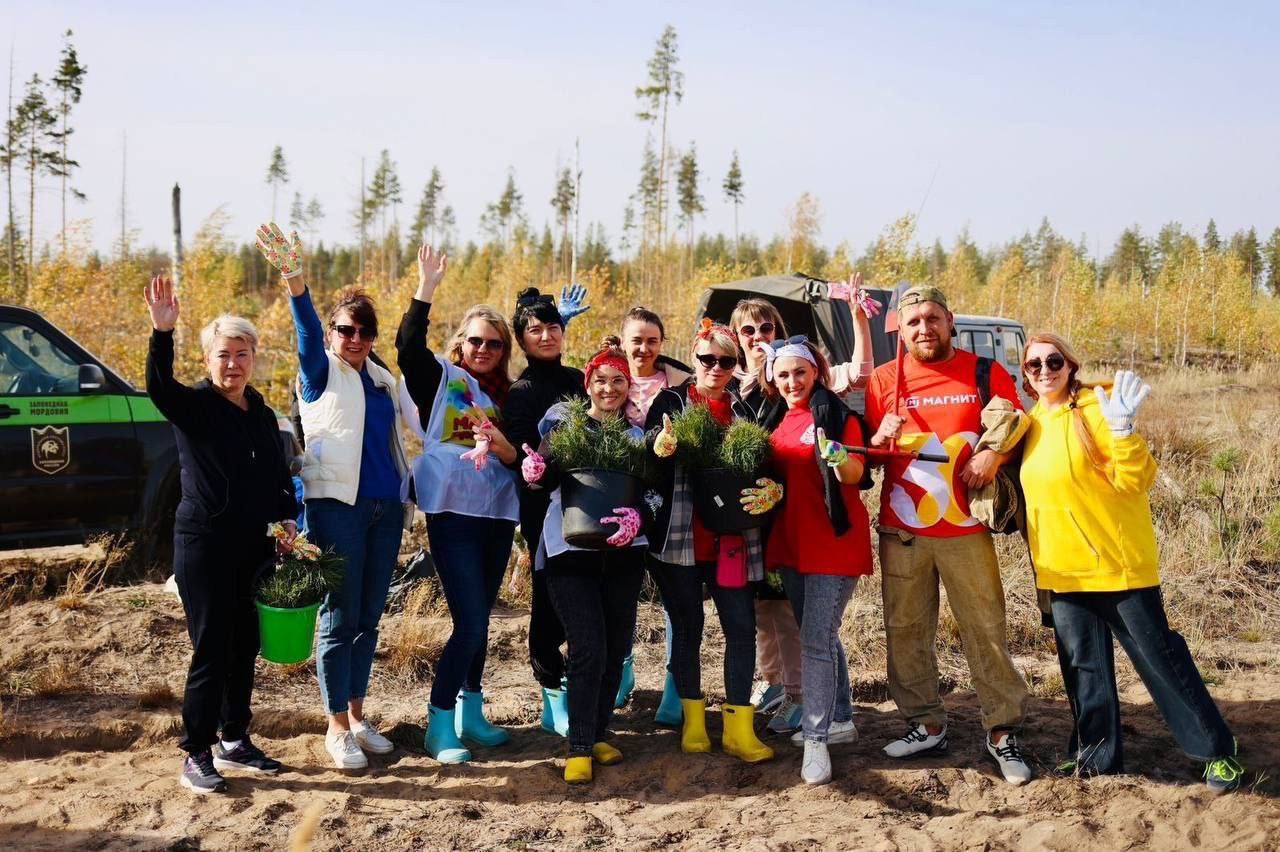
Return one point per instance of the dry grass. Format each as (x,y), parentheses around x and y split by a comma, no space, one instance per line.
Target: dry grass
(156,695)
(417,637)
(85,581)
(55,678)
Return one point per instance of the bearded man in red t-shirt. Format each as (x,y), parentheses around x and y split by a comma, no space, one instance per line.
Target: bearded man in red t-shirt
(927,533)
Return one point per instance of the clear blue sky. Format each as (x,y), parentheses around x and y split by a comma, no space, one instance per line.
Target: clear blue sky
(1097,116)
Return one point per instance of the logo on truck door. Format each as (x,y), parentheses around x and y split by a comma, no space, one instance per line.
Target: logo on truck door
(50,448)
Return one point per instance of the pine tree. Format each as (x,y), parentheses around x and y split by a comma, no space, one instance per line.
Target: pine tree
(8,156)
(1244,245)
(426,220)
(501,215)
(277,176)
(562,203)
(732,187)
(447,223)
(687,196)
(384,193)
(665,84)
(297,213)
(1212,242)
(37,122)
(1272,254)
(68,81)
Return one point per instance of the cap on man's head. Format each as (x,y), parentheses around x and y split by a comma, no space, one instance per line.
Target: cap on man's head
(922,293)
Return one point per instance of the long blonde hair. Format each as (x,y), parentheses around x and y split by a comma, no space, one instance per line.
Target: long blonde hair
(1074,385)
(495,319)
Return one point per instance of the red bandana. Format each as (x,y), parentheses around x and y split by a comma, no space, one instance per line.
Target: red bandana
(605,358)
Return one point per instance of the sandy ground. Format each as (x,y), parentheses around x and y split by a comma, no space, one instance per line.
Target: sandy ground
(88,760)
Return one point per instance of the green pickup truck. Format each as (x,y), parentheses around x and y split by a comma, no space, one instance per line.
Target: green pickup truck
(82,451)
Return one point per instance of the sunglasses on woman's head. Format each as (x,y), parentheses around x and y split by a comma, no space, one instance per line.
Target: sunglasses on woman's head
(1053,363)
(726,362)
(493,344)
(357,331)
(750,330)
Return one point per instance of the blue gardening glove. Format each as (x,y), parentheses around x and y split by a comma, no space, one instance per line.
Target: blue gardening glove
(1127,395)
(571,305)
(832,452)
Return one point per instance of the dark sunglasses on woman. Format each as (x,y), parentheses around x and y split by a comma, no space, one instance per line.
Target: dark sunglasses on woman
(1053,363)
(750,330)
(726,362)
(493,344)
(356,331)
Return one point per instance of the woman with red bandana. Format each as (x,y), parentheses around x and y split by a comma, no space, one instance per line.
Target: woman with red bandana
(594,592)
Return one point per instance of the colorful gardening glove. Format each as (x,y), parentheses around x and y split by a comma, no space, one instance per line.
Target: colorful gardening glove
(480,455)
(285,256)
(571,305)
(758,501)
(664,446)
(852,291)
(832,452)
(1127,395)
(533,466)
(628,521)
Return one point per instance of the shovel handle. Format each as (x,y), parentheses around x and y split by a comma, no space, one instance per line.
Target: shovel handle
(898,454)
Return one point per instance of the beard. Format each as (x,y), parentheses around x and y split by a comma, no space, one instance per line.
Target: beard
(943,351)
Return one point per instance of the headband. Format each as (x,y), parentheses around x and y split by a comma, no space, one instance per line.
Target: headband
(710,327)
(796,347)
(605,358)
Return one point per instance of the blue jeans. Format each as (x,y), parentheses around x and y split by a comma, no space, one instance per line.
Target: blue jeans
(471,557)
(819,602)
(368,535)
(1084,624)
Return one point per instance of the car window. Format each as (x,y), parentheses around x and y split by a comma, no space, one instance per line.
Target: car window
(1013,349)
(966,341)
(982,344)
(31,365)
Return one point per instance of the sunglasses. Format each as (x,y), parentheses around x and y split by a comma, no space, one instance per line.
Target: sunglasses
(726,362)
(355,331)
(1053,364)
(493,344)
(750,330)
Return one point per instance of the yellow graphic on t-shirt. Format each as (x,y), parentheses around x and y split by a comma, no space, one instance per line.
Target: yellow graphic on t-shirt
(460,418)
(938,502)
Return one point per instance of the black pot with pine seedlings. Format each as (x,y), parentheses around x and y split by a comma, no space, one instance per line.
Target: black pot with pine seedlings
(722,461)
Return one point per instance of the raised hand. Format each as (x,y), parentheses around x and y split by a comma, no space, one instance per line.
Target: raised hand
(758,501)
(572,297)
(1127,395)
(664,446)
(162,302)
(854,293)
(432,265)
(832,452)
(533,466)
(628,521)
(284,255)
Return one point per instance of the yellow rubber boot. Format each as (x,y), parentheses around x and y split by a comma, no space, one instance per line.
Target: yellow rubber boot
(577,769)
(693,733)
(605,754)
(740,738)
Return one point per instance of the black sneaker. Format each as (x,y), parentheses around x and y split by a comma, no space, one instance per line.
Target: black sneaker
(245,756)
(199,776)
(1223,775)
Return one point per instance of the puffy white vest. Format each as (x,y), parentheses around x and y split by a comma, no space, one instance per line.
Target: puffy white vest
(334,430)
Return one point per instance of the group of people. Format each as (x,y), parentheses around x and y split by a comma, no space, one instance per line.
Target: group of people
(486,467)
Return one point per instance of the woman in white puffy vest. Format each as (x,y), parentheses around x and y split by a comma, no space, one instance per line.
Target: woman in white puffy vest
(352,472)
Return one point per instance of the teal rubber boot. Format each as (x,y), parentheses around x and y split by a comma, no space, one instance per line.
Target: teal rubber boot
(442,741)
(627,685)
(555,710)
(473,726)
(670,713)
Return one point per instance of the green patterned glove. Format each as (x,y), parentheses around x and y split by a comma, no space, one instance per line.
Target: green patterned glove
(832,452)
(284,255)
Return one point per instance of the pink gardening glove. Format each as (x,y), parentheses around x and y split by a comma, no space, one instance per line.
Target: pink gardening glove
(533,466)
(853,293)
(480,455)
(628,521)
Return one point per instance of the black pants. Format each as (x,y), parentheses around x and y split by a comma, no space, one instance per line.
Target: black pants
(594,593)
(1084,624)
(546,633)
(681,588)
(215,575)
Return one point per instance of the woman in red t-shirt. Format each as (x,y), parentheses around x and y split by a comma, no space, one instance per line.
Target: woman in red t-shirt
(821,537)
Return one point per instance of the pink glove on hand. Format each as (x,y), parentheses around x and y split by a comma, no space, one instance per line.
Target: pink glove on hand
(628,521)
(480,455)
(854,294)
(533,466)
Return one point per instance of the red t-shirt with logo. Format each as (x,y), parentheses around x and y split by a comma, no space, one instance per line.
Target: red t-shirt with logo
(944,415)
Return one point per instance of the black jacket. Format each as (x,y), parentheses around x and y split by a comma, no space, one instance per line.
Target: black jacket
(235,475)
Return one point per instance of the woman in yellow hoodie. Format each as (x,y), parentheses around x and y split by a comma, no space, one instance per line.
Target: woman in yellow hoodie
(1085,474)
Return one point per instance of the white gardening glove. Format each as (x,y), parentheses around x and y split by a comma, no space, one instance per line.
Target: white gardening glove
(1127,395)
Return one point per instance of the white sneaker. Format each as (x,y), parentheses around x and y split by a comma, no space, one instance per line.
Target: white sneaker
(767,696)
(345,751)
(1009,759)
(368,738)
(838,732)
(816,768)
(918,740)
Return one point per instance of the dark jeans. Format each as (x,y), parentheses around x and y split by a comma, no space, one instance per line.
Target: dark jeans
(471,557)
(546,633)
(215,575)
(1084,623)
(681,588)
(368,534)
(595,593)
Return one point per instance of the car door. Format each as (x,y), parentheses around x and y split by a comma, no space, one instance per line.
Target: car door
(69,462)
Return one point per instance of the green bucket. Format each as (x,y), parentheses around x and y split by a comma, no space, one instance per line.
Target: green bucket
(287,634)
